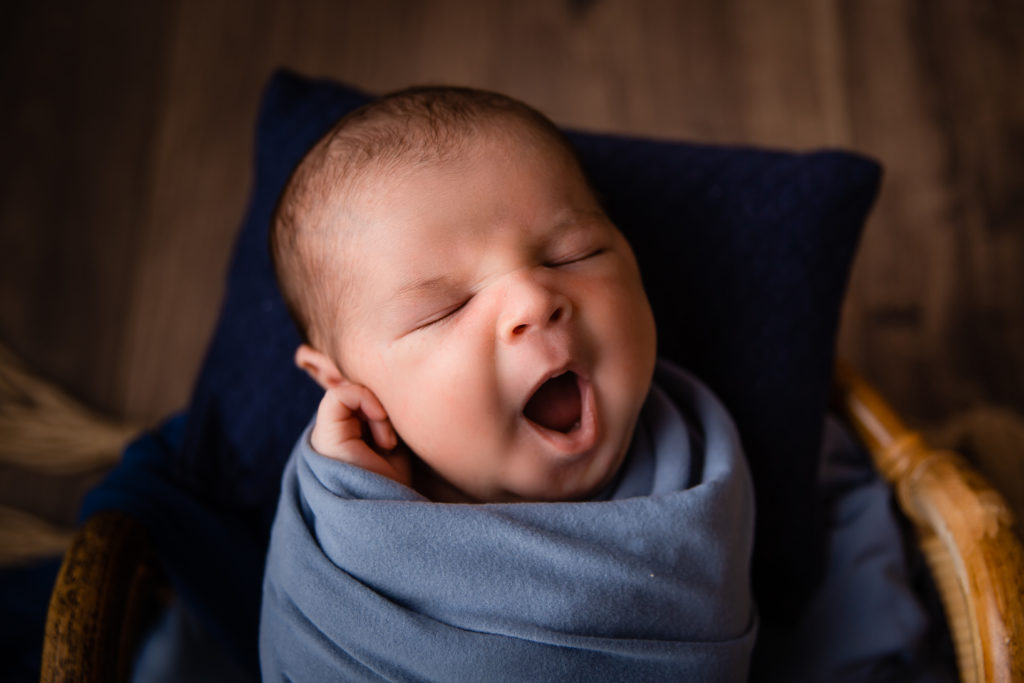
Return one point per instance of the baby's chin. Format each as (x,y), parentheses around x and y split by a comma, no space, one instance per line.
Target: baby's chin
(437,489)
(570,485)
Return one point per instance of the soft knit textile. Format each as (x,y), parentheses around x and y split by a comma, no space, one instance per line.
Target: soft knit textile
(366,579)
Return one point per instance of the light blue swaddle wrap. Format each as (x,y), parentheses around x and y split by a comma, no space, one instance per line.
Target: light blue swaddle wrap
(367,580)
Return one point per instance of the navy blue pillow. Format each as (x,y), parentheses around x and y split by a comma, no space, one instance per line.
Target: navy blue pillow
(745,255)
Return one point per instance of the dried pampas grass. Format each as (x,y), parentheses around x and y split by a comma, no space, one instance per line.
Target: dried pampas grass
(25,538)
(44,430)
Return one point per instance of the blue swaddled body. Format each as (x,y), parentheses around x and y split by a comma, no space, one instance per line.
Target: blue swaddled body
(366,579)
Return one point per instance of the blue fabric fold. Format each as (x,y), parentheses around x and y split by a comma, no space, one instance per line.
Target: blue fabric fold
(366,579)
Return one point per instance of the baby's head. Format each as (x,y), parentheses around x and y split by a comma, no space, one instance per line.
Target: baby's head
(441,248)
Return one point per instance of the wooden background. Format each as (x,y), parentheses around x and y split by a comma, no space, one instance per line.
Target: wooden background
(125,143)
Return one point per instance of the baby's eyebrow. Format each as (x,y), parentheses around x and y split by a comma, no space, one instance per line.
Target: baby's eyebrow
(424,287)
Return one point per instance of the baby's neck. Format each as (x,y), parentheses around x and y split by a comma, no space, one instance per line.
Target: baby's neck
(433,486)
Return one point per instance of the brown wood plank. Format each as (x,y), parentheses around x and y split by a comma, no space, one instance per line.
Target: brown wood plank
(81,88)
(202,150)
(936,311)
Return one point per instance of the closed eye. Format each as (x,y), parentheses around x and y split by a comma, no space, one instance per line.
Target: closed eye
(575,259)
(444,316)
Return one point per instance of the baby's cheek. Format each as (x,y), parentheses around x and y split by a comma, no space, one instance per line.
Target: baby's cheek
(632,335)
(436,397)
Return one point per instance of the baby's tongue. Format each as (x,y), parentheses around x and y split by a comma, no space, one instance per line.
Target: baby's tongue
(556,404)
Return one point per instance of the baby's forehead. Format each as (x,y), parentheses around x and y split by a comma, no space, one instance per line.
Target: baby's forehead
(364,188)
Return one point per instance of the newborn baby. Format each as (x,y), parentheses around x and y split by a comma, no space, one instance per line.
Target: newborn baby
(482,334)
(460,285)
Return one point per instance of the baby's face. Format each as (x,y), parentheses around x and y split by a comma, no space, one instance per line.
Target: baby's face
(499,317)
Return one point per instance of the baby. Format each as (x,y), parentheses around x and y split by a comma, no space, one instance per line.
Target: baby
(464,297)
(482,334)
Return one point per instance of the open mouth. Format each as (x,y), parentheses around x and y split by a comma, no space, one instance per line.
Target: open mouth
(557,404)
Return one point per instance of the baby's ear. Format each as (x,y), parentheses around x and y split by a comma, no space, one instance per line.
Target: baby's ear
(319,366)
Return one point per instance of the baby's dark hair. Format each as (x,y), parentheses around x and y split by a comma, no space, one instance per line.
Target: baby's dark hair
(418,126)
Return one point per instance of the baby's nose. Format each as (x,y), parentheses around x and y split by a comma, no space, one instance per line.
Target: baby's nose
(531,306)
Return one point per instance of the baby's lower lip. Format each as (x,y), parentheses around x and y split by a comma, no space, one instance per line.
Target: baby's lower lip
(581,438)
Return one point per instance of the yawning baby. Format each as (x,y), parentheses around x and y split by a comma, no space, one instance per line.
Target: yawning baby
(482,335)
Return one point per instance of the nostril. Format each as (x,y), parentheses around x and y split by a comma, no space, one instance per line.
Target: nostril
(535,319)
